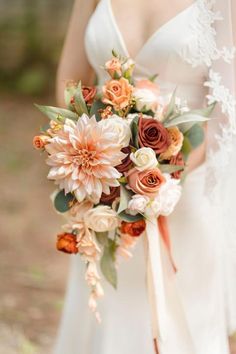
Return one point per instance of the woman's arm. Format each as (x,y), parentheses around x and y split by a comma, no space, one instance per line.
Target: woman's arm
(73,63)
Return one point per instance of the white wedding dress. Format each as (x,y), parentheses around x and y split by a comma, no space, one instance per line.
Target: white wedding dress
(195,228)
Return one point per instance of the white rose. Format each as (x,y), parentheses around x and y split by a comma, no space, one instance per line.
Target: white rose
(138,204)
(166,199)
(145,99)
(101,219)
(120,126)
(144,159)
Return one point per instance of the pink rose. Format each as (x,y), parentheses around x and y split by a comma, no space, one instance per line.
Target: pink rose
(145,182)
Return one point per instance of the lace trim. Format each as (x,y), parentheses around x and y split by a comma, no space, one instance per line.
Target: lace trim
(223,96)
(202,48)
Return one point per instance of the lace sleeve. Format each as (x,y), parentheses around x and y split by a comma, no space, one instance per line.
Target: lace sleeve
(214,35)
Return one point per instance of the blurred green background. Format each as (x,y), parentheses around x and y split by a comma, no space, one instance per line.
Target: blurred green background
(32,273)
(31,36)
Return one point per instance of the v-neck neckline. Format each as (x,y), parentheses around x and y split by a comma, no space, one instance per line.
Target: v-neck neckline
(151,37)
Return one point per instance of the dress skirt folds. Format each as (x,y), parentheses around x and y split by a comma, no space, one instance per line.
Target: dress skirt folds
(126,324)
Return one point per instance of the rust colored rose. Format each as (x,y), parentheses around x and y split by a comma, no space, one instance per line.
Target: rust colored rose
(109,198)
(177,160)
(134,229)
(89,93)
(113,67)
(67,243)
(40,141)
(126,162)
(153,134)
(147,182)
(117,93)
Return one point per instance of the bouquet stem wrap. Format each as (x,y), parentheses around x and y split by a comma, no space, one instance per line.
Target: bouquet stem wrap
(167,315)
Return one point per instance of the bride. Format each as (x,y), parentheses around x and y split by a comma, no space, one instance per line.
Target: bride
(189,44)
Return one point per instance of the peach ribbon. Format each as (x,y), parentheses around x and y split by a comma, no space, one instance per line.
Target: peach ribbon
(167,315)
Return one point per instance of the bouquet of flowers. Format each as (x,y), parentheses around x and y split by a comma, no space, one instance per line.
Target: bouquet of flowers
(117,154)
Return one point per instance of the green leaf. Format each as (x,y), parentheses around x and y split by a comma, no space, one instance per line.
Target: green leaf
(63,202)
(44,128)
(69,94)
(186,148)
(107,263)
(80,105)
(153,77)
(185,118)
(114,53)
(165,168)
(125,197)
(130,218)
(134,131)
(206,112)
(195,135)
(102,237)
(57,114)
(171,106)
(96,106)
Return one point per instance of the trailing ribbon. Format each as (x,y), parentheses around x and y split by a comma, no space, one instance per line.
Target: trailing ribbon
(169,325)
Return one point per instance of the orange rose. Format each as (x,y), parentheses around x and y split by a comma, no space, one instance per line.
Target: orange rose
(67,243)
(40,141)
(117,93)
(113,67)
(133,228)
(176,142)
(147,182)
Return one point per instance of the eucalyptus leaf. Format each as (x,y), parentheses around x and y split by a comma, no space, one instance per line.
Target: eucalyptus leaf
(69,94)
(206,111)
(80,105)
(171,106)
(63,202)
(96,106)
(134,131)
(125,197)
(107,263)
(165,168)
(130,218)
(186,148)
(57,114)
(195,135)
(185,118)
(102,237)
(153,77)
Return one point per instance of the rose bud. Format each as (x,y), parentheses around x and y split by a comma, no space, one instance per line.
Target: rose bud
(67,243)
(113,67)
(89,93)
(177,160)
(40,141)
(153,134)
(134,229)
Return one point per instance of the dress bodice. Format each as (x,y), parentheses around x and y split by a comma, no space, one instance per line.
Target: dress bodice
(161,54)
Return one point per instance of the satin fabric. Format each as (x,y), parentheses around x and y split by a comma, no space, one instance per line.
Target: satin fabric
(195,230)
